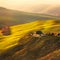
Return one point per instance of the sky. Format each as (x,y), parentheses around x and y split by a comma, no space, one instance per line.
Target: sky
(26,5)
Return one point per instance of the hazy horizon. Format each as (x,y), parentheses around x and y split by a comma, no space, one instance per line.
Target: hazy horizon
(29,5)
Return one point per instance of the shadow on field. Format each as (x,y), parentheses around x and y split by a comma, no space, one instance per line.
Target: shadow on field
(32,48)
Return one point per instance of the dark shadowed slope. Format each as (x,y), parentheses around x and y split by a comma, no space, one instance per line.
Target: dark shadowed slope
(33,48)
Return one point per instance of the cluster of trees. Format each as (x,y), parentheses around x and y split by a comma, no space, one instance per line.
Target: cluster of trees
(5,30)
(40,33)
(53,34)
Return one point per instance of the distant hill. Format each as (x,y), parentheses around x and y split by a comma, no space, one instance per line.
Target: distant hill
(54,11)
(13,17)
(48,9)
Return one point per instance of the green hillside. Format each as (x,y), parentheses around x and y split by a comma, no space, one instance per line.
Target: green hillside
(12,17)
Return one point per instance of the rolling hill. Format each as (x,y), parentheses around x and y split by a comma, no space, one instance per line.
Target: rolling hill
(54,11)
(47,9)
(13,17)
(21,45)
(20,30)
(32,48)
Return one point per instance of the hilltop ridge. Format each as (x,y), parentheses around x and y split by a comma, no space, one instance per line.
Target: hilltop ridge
(13,17)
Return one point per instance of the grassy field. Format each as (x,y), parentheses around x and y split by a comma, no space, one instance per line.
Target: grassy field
(20,30)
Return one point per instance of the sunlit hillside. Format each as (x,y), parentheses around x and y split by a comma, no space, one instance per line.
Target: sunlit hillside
(19,31)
